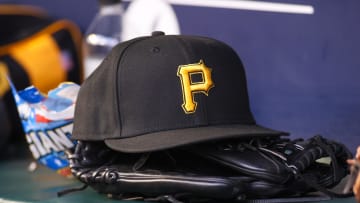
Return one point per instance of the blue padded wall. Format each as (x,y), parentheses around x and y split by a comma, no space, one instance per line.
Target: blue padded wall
(303,70)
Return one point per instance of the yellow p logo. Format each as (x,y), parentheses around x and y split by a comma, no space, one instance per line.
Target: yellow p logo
(189,88)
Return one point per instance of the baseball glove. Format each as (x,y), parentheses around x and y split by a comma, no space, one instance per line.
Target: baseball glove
(231,170)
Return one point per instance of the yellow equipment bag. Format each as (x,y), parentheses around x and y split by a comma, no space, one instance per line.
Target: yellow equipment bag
(38,50)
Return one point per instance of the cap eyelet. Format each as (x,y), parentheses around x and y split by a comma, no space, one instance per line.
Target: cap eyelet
(155,49)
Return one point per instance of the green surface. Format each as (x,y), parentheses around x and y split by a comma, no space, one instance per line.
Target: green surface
(20,185)
(42,185)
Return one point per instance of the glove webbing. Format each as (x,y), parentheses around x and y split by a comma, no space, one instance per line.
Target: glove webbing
(319,141)
(296,169)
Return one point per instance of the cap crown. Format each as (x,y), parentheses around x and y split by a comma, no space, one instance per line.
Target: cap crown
(162,83)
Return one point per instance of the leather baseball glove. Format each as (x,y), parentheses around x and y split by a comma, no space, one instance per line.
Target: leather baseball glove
(232,170)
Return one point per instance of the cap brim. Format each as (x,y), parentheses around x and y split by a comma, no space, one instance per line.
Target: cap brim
(179,137)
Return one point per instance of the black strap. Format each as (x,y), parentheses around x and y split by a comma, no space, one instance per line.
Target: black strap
(75,189)
(334,163)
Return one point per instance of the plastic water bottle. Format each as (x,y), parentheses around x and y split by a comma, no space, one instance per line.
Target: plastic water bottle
(103,34)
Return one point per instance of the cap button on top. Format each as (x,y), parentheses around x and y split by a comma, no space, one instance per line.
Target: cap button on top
(157,33)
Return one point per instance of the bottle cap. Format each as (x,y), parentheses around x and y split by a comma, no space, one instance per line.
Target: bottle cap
(109,2)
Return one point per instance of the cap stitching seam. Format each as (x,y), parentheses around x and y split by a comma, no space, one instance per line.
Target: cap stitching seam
(118,83)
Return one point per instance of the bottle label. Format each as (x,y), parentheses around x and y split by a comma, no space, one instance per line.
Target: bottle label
(47,121)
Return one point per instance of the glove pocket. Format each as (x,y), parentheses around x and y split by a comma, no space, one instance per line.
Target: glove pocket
(249,162)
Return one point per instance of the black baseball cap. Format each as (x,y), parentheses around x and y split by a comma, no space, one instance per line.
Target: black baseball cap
(162,91)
